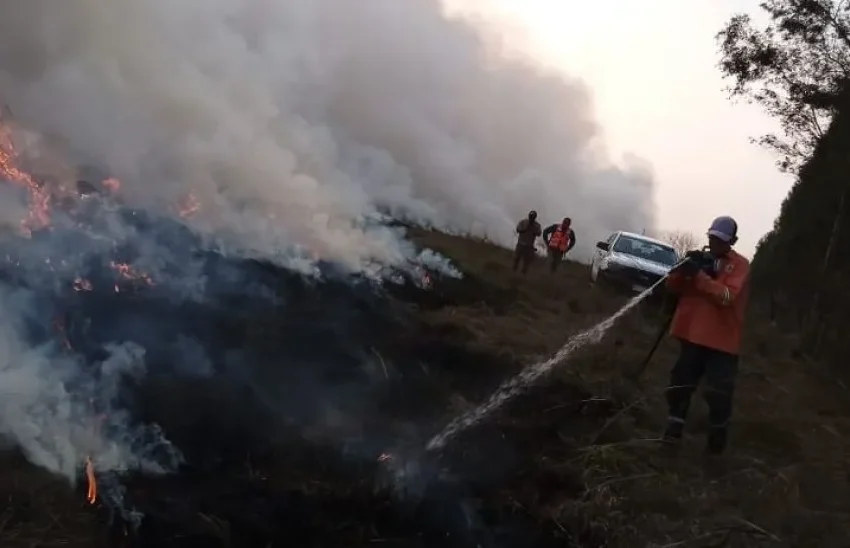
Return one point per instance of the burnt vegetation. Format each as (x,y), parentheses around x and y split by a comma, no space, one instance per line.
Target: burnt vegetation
(310,384)
(301,406)
(283,393)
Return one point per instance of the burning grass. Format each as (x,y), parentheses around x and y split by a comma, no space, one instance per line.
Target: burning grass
(570,463)
(298,406)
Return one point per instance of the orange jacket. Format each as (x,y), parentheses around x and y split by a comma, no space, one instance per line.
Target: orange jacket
(711,310)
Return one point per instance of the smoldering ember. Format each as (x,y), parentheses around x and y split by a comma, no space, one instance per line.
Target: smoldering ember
(266,408)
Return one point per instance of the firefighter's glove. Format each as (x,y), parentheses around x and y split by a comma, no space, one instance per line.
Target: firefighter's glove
(687,267)
(691,263)
(696,255)
(701,260)
(709,267)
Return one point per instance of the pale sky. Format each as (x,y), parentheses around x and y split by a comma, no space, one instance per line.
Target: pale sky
(652,67)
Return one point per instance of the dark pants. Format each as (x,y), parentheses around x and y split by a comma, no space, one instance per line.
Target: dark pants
(556,256)
(523,254)
(719,369)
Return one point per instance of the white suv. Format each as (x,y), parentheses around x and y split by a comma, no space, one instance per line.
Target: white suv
(632,261)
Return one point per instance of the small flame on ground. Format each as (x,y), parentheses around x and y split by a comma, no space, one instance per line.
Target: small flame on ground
(91,478)
(59,329)
(129,273)
(112,184)
(39,209)
(91,493)
(82,284)
(188,206)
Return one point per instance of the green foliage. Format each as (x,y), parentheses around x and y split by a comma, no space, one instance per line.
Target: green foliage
(793,67)
(797,66)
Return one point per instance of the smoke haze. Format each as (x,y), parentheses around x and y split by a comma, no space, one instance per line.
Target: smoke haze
(294,122)
(57,429)
(299,125)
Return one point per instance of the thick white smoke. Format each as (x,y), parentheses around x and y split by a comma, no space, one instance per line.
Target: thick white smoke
(297,124)
(296,121)
(59,415)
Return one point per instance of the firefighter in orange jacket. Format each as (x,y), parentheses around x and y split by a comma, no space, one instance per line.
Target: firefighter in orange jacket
(713,289)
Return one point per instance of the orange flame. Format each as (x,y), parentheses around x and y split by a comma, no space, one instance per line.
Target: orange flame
(91,477)
(82,284)
(91,493)
(39,212)
(188,206)
(129,273)
(59,329)
(112,184)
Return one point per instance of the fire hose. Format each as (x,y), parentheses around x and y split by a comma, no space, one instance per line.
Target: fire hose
(666,323)
(656,343)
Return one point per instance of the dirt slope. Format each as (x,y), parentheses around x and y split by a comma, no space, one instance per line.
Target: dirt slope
(571,463)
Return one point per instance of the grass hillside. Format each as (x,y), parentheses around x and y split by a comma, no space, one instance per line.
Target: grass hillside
(574,458)
(784,481)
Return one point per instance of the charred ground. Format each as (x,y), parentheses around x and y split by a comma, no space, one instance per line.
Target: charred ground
(314,382)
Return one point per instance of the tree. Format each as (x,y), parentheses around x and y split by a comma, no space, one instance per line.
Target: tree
(794,67)
(681,241)
(799,269)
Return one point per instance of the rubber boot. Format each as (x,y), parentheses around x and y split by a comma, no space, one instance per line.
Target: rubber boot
(673,432)
(716,441)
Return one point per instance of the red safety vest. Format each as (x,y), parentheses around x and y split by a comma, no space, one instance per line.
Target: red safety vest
(560,239)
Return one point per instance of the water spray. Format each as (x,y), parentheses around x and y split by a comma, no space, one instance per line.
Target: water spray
(404,472)
(517,384)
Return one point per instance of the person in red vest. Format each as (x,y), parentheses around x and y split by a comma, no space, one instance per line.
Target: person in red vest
(560,239)
(713,290)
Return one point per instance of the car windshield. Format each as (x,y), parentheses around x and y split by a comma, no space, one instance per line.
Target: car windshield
(645,249)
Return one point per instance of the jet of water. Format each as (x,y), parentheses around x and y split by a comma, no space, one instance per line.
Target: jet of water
(515,385)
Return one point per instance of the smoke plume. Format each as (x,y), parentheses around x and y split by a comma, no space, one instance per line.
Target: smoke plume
(299,123)
(58,413)
(299,126)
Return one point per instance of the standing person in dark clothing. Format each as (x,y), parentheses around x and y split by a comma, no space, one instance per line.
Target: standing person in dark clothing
(527,231)
(713,289)
(560,239)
